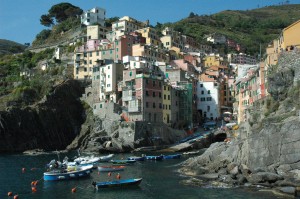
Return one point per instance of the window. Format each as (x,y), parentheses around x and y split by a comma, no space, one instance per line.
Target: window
(201,85)
(108,67)
(160,106)
(153,104)
(153,83)
(202,92)
(165,96)
(153,94)
(130,73)
(103,52)
(97,53)
(85,69)
(202,99)
(159,94)
(108,85)
(100,105)
(168,97)
(147,82)
(208,108)
(208,92)
(169,107)
(108,76)
(147,105)
(164,87)
(90,61)
(91,54)
(208,99)
(147,93)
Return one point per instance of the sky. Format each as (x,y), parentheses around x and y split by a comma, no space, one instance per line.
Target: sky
(20,19)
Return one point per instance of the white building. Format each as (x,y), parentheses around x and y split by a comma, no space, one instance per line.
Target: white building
(216,38)
(106,75)
(208,99)
(125,25)
(93,16)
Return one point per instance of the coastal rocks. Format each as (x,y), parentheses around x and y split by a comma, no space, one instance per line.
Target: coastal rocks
(49,125)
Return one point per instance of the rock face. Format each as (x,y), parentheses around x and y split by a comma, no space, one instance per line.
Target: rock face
(266,153)
(49,125)
(108,133)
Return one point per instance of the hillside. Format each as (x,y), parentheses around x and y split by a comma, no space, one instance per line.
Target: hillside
(10,47)
(249,28)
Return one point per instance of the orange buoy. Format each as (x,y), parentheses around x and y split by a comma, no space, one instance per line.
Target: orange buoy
(109,174)
(16,197)
(33,189)
(32,183)
(35,183)
(118,176)
(9,193)
(23,170)
(74,190)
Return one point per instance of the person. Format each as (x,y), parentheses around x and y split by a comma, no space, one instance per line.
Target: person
(118,176)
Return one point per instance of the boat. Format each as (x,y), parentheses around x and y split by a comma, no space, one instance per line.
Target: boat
(67,174)
(154,157)
(111,168)
(122,162)
(174,156)
(137,158)
(117,183)
(85,161)
(106,158)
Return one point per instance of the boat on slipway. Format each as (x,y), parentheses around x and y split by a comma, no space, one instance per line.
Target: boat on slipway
(117,183)
(173,156)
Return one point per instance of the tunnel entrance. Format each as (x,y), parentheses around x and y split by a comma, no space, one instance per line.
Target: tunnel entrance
(220,137)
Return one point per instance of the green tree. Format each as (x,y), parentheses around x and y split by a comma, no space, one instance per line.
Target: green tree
(46,20)
(62,11)
(109,21)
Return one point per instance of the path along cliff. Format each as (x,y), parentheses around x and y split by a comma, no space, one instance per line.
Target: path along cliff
(266,149)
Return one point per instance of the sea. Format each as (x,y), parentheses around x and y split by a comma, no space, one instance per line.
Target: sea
(160,181)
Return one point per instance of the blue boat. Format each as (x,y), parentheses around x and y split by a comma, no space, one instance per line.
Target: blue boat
(117,183)
(154,157)
(136,158)
(174,156)
(65,174)
(122,162)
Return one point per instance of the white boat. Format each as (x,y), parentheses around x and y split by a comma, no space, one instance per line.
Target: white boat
(85,161)
(106,158)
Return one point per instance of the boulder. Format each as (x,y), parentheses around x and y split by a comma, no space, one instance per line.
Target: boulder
(288,190)
(262,177)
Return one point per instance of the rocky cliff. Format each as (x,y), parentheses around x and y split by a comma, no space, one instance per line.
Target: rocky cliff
(266,150)
(49,124)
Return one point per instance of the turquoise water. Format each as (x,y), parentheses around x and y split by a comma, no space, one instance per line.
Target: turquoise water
(160,181)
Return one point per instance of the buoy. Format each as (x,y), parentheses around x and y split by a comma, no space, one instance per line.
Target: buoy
(9,193)
(32,183)
(16,197)
(23,170)
(118,176)
(33,189)
(109,174)
(35,183)
(74,190)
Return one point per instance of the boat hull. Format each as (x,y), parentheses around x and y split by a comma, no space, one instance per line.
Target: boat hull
(118,183)
(136,158)
(110,168)
(56,176)
(159,157)
(176,156)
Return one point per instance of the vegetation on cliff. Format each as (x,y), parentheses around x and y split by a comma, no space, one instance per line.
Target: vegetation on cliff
(249,28)
(10,47)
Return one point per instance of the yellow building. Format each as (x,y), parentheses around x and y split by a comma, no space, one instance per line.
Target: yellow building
(167,103)
(151,36)
(291,36)
(86,56)
(213,60)
(96,32)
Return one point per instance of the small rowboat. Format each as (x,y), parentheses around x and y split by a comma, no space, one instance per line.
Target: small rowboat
(122,162)
(117,183)
(137,158)
(154,157)
(175,156)
(62,174)
(110,168)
